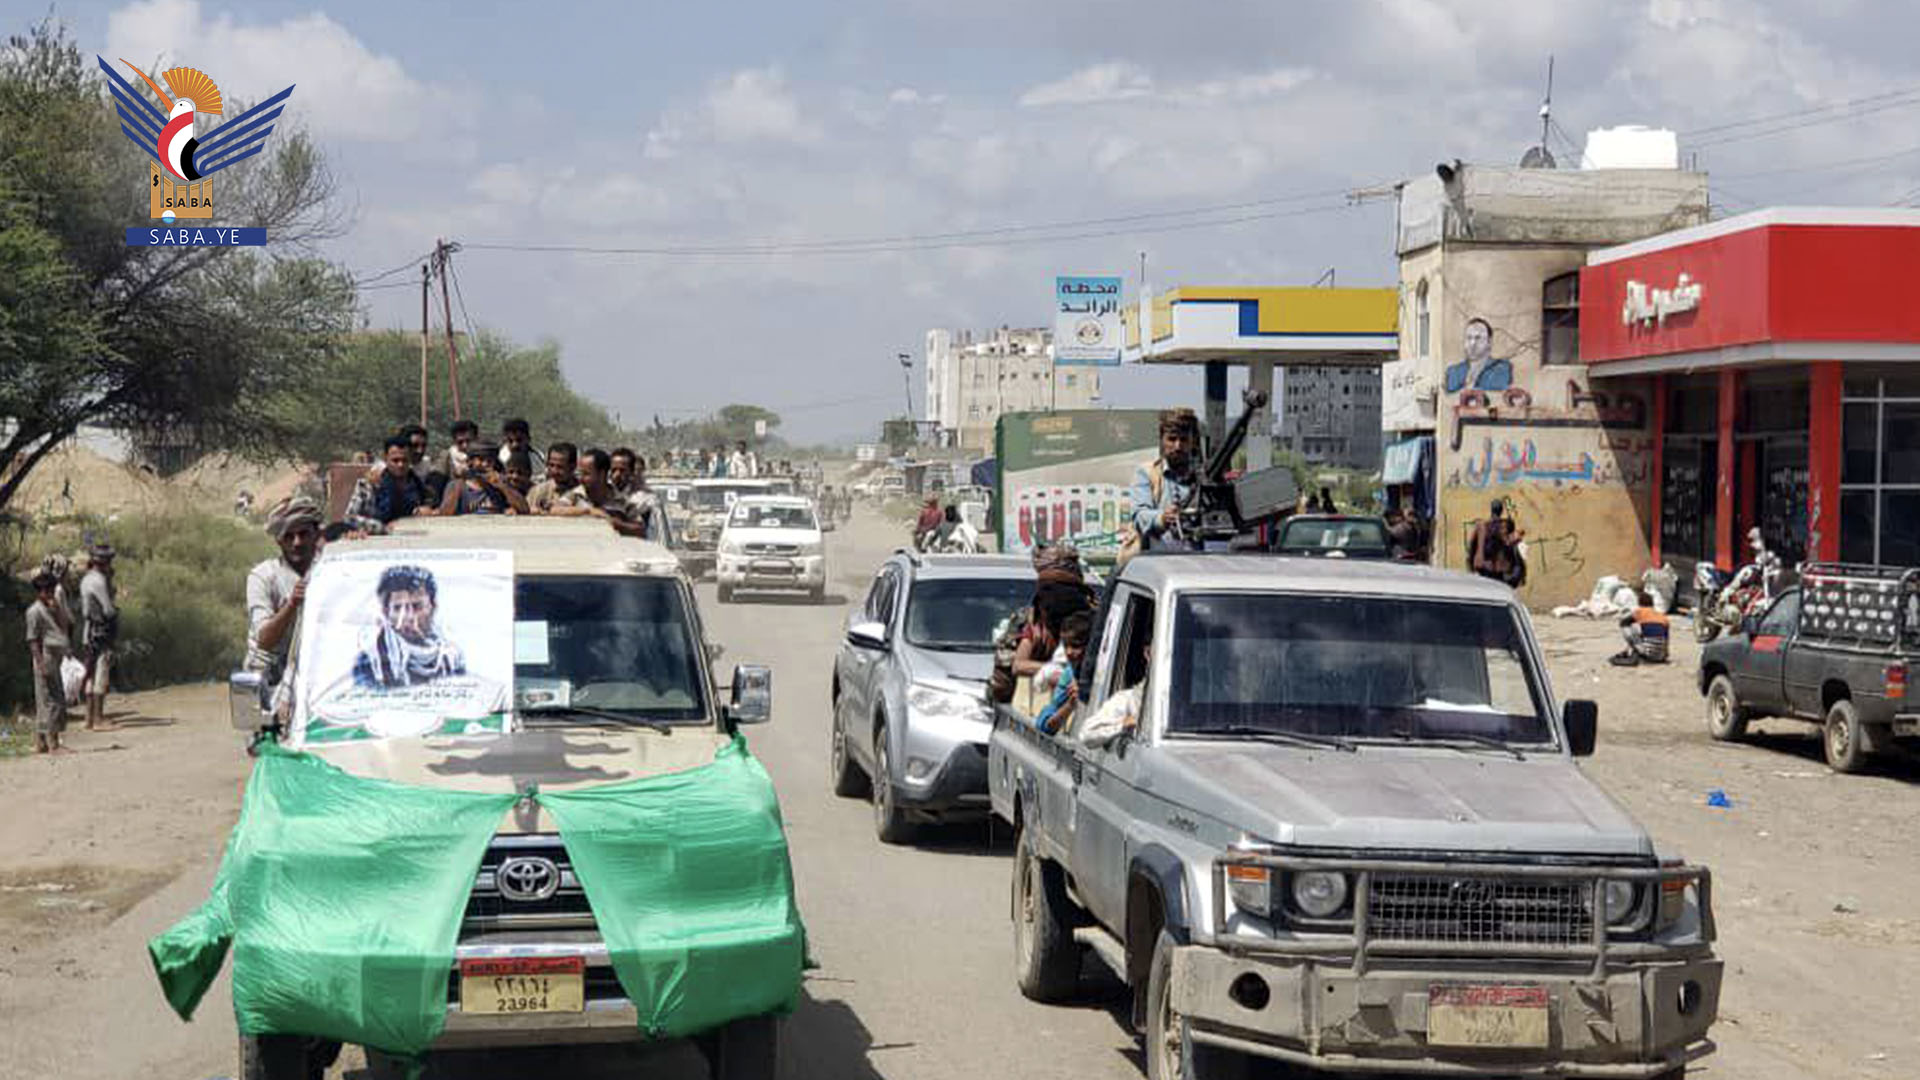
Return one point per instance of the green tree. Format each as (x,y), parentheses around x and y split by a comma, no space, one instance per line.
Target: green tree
(194,343)
(368,387)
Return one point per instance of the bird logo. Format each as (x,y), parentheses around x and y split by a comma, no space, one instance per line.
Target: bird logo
(183,158)
(193,91)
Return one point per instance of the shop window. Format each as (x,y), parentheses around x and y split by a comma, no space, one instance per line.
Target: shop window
(1693,409)
(1900,443)
(1857,532)
(1773,404)
(1900,528)
(1859,441)
(1422,322)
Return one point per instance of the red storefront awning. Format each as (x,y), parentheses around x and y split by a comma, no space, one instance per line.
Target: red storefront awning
(1785,285)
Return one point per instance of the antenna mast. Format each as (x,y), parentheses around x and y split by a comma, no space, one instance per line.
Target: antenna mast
(1546,105)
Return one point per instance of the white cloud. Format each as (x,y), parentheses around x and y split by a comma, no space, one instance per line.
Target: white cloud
(1248,87)
(907,95)
(1115,80)
(755,104)
(343,89)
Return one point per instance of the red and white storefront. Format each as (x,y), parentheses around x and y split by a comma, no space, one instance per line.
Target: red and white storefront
(1783,349)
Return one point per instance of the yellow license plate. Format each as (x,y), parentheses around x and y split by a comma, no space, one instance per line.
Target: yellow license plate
(545,984)
(1487,1016)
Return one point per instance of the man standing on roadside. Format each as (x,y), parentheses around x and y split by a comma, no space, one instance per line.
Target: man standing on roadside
(277,587)
(1490,550)
(101,618)
(49,633)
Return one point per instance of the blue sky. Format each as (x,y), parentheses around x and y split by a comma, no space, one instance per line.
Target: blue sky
(650,124)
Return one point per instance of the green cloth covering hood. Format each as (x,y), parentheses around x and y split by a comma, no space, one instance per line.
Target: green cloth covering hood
(341,898)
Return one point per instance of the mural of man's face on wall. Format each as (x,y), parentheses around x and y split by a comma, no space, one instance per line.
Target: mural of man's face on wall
(1479,369)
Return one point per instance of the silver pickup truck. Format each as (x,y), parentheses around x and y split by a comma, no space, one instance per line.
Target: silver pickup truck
(1328,813)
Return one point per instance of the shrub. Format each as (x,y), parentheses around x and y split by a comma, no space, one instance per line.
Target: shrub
(181,579)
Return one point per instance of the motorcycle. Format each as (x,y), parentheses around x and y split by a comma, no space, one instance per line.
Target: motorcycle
(1724,599)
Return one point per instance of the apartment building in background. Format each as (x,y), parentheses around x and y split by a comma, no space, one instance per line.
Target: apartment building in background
(1328,414)
(971,381)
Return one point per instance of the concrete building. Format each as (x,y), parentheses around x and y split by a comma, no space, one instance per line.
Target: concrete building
(971,382)
(1488,398)
(1328,414)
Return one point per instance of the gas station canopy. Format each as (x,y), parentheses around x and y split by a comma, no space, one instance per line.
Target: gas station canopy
(1237,324)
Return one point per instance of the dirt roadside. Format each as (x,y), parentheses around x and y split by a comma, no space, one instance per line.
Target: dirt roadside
(1813,873)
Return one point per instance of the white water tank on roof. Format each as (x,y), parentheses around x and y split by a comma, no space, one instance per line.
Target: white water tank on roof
(1631,146)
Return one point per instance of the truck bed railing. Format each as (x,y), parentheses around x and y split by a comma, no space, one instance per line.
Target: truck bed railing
(1366,938)
(1857,605)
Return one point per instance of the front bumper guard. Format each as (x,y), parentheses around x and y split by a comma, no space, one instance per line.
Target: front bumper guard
(1353,1002)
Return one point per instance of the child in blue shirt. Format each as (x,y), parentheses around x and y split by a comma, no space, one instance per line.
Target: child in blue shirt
(1074,632)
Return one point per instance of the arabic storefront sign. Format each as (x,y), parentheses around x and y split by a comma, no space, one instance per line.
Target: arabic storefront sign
(1086,320)
(405,643)
(1647,306)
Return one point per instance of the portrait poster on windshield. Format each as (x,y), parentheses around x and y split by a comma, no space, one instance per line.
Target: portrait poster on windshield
(1086,321)
(396,643)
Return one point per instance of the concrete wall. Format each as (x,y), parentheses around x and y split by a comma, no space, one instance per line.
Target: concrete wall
(1590,207)
(1572,459)
(1409,385)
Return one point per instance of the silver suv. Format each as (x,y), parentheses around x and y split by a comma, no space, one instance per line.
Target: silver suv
(910,719)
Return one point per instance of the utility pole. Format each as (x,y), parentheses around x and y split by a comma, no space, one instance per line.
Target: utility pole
(426,277)
(906,377)
(442,254)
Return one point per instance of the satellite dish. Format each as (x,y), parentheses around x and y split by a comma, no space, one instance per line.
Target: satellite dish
(1538,157)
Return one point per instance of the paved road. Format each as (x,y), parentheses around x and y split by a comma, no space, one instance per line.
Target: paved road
(1814,876)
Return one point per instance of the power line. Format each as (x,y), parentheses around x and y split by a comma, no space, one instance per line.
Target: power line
(1798,113)
(1866,107)
(1876,159)
(929,242)
(408,265)
(473,333)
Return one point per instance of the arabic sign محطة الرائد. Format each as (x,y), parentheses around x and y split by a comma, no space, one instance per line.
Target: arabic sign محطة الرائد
(1086,320)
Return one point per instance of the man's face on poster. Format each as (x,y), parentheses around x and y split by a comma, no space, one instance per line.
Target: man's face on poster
(1479,342)
(410,613)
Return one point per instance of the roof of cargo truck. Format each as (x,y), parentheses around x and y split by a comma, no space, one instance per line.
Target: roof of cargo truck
(540,545)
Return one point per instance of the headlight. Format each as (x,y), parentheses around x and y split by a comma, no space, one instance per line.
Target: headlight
(730,547)
(1319,894)
(1617,901)
(939,702)
(1250,887)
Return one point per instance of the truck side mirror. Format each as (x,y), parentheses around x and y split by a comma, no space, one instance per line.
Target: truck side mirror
(247,700)
(1582,721)
(752,695)
(868,634)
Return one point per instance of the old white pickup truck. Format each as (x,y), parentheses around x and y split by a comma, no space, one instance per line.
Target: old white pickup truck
(1328,813)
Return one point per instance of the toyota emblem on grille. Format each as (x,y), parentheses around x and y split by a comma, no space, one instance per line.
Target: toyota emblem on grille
(527,878)
(1470,894)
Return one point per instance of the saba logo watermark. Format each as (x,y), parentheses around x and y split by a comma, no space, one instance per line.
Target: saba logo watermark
(179,178)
